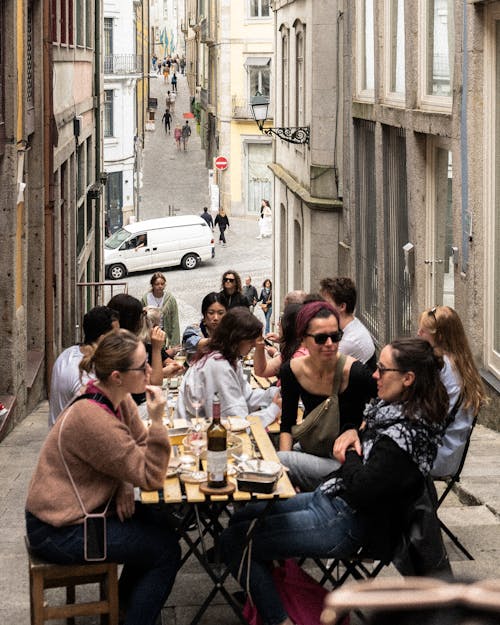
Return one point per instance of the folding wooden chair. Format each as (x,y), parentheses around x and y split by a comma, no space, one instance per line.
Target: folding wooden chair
(451,481)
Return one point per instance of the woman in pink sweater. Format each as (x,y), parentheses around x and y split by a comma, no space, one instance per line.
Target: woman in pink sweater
(95,454)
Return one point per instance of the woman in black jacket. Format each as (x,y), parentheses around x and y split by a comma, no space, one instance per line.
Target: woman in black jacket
(365,502)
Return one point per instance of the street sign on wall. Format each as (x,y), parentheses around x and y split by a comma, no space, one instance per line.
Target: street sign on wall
(221,163)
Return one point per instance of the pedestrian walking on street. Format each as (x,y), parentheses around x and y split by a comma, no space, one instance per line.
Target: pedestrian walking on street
(170,101)
(186,133)
(222,221)
(97,451)
(165,73)
(266,299)
(173,82)
(207,217)
(177,136)
(231,292)
(250,292)
(167,118)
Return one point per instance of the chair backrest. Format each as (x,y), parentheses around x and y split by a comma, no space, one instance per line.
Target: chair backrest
(453,479)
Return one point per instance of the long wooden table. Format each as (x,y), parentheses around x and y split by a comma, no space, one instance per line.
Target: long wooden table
(205,514)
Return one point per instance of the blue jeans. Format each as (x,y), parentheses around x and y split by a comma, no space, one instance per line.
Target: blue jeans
(149,552)
(307,525)
(306,470)
(267,315)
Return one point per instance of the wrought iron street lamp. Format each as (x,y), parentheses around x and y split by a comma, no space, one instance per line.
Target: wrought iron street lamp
(260,106)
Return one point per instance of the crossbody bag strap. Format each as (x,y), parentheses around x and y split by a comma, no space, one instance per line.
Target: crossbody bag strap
(59,446)
(453,412)
(337,379)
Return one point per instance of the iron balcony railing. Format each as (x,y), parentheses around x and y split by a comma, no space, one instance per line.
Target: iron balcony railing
(123,64)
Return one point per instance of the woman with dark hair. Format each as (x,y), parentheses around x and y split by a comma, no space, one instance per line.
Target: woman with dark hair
(266,299)
(366,501)
(231,293)
(197,336)
(290,345)
(217,369)
(311,379)
(159,297)
(130,310)
(93,456)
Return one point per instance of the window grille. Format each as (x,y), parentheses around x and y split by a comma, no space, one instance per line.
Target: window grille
(397,284)
(366,224)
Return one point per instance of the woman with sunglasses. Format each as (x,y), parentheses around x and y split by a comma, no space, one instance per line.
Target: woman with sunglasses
(97,451)
(217,368)
(310,379)
(442,328)
(366,501)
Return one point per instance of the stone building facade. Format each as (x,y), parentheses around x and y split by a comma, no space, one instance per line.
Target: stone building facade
(51,199)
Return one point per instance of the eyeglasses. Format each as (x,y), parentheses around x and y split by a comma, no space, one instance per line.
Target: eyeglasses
(381,369)
(229,280)
(142,368)
(322,337)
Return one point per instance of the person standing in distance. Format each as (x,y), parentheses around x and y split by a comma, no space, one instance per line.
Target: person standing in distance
(250,292)
(207,217)
(167,118)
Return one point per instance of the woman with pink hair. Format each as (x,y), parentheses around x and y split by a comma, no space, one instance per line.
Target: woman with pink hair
(311,379)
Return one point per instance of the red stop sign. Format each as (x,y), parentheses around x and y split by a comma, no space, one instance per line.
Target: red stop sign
(221,162)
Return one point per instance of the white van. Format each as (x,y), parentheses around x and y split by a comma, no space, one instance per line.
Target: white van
(183,240)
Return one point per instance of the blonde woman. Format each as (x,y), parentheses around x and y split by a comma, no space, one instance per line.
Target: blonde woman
(442,328)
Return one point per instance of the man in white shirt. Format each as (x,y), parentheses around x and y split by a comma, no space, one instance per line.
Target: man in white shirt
(357,341)
(66,381)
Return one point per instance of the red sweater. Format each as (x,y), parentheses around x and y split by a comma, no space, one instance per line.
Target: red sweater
(102,453)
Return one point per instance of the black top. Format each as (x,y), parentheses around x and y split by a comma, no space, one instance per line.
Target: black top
(360,389)
(382,489)
(222,221)
(231,301)
(208,218)
(250,292)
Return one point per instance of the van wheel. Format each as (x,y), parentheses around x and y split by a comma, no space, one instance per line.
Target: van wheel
(117,272)
(190,261)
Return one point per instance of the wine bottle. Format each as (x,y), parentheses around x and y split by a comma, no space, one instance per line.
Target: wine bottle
(216,449)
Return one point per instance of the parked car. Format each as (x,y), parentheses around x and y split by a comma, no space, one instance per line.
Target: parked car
(184,240)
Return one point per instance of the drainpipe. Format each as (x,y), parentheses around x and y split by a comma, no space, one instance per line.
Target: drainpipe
(48,139)
(100,203)
(466,217)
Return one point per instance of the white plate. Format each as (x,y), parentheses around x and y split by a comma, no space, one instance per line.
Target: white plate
(261,467)
(238,424)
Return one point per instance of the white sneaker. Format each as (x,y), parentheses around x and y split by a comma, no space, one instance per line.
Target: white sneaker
(259,237)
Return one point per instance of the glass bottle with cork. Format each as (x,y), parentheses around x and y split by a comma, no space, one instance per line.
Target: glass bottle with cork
(216,449)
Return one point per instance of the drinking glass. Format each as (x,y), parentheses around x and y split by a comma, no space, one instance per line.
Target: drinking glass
(180,357)
(194,395)
(197,441)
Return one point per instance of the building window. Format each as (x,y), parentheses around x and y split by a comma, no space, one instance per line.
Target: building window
(89,27)
(366,49)
(366,230)
(259,8)
(80,22)
(395,52)
(259,74)
(299,77)
(108,45)
(285,94)
(437,52)
(108,113)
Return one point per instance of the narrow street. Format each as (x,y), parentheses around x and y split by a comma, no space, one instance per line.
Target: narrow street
(180,179)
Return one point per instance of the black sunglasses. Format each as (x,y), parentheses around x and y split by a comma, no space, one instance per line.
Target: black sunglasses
(322,337)
(229,280)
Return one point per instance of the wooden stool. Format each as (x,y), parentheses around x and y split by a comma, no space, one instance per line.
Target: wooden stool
(47,575)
